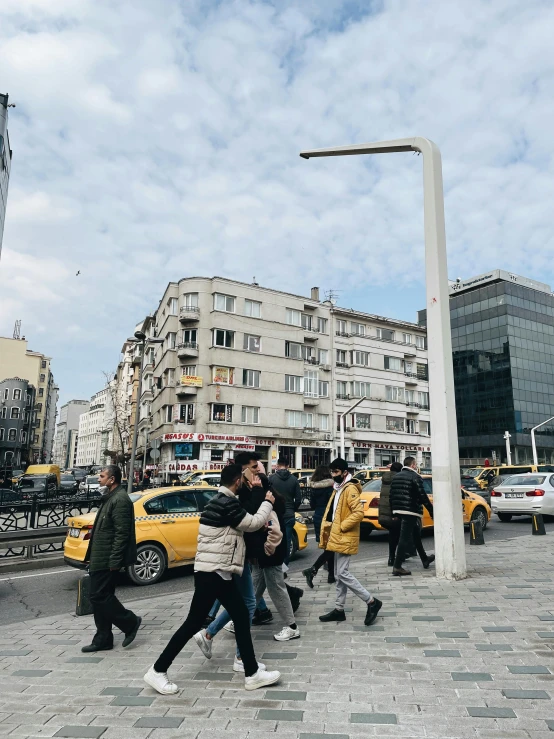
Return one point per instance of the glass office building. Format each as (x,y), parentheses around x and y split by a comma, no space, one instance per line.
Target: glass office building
(5,162)
(503,354)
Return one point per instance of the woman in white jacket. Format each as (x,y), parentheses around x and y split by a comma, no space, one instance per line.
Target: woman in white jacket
(220,554)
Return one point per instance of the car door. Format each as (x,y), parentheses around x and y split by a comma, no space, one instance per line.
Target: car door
(176,517)
(427,521)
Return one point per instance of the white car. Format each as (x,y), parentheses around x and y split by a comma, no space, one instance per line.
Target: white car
(523,495)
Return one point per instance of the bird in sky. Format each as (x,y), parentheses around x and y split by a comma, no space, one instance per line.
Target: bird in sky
(78,273)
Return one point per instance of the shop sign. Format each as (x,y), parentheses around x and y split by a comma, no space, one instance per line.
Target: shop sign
(308,443)
(191,380)
(191,465)
(223,375)
(394,447)
(264,442)
(224,438)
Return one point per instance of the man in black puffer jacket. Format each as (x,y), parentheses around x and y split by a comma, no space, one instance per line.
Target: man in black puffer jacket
(407,498)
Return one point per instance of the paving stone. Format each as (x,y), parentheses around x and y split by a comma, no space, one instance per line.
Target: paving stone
(427,618)
(484,609)
(498,629)
(402,639)
(482,590)
(323,736)
(373,718)
(31,673)
(214,676)
(271,714)
(159,722)
(14,652)
(121,691)
(279,655)
(471,676)
(493,647)
(286,695)
(451,634)
(85,660)
(528,669)
(546,634)
(441,653)
(550,725)
(519,596)
(546,618)
(526,694)
(132,700)
(82,732)
(489,712)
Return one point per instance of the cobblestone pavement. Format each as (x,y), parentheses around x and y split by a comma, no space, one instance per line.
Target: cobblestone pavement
(463,659)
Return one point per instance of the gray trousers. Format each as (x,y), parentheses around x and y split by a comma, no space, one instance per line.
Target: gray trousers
(346,580)
(274,579)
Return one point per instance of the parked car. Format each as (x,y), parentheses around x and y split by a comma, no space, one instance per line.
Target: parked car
(68,484)
(204,479)
(523,495)
(41,485)
(92,483)
(159,546)
(9,497)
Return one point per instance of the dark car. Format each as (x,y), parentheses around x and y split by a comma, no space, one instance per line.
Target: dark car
(9,497)
(68,484)
(43,486)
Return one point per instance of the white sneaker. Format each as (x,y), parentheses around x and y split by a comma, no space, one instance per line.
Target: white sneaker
(160,682)
(239,667)
(230,627)
(261,679)
(204,644)
(286,634)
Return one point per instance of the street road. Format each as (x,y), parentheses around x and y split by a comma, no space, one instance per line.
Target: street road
(51,592)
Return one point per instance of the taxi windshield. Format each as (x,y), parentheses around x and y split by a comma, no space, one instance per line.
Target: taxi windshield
(472,473)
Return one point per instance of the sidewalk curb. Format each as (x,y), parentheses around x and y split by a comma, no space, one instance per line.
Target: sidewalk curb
(19,564)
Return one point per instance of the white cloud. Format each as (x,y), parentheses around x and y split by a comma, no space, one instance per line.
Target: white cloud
(149,145)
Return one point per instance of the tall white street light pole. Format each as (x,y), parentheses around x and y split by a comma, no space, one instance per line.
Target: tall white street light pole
(447,504)
(341,425)
(533,443)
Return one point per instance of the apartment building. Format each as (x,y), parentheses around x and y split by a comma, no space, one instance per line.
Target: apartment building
(380,365)
(17,360)
(96,428)
(17,401)
(248,367)
(65,440)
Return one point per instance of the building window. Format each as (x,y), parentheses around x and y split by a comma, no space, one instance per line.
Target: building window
(35,439)
(410,397)
(423,399)
(43,364)
(6,394)
(361,358)
(298,419)
(322,325)
(17,394)
(252,308)
(23,437)
(406,338)
(186,413)
(311,383)
(224,302)
(396,424)
(360,389)
(3,412)
(363,421)
(341,329)
(224,375)
(341,357)
(15,413)
(420,342)
(171,339)
(170,377)
(224,338)
(293,384)
(294,317)
(292,350)
(394,363)
(251,378)
(216,455)
(385,334)
(12,434)
(422,372)
(395,394)
(169,413)
(42,378)
(189,369)
(222,413)
(2,434)
(323,356)
(308,354)
(190,300)
(323,389)
(358,329)
(342,391)
(323,420)
(190,336)
(250,414)
(424,428)
(172,307)
(252,343)
(306,322)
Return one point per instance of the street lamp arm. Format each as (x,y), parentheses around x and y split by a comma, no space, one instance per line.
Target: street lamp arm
(416,143)
(542,424)
(341,424)
(533,442)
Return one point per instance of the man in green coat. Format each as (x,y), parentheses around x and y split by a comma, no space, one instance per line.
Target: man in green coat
(112,546)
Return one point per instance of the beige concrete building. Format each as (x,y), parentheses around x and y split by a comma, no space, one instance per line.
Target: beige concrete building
(17,360)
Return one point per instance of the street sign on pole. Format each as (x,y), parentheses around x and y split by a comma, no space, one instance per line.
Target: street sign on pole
(155,443)
(155,454)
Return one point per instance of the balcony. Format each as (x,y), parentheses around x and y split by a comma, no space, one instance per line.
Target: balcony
(311,400)
(188,350)
(311,360)
(343,364)
(411,378)
(325,367)
(343,396)
(189,313)
(342,333)
(185,389)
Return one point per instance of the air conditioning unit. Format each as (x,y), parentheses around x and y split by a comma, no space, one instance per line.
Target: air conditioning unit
(328,437)
(326,367)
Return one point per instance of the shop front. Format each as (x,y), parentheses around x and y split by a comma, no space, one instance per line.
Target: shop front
(375,454)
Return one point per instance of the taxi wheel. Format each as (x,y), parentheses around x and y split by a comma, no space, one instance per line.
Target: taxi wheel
(293,547)
(480,514)
(150,565)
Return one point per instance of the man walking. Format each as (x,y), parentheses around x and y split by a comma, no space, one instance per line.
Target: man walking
(341,529)
(407,498)
(288,486)
(386,519)
(112,546)
(220,555)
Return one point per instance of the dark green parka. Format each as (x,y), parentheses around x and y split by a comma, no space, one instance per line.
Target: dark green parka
(113,543)
(385,510)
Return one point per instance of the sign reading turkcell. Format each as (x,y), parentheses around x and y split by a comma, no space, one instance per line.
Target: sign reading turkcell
(497,274)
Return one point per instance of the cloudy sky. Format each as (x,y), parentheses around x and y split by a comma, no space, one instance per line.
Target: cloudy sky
(156,139)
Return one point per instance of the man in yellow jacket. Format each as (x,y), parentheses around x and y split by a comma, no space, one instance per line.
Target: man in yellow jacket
(342,516)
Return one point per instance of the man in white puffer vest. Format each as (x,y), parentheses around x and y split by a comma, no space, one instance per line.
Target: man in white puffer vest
(220,554)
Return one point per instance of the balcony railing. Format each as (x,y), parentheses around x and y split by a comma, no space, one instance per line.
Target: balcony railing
(343,396)
(343,364)
(189,313)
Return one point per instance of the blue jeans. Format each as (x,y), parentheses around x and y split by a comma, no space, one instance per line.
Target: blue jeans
(246,589)
(289,526)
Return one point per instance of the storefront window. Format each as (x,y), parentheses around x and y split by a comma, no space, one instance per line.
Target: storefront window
(312,458)
(361,456)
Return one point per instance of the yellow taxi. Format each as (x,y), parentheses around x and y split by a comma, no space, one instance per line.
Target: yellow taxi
(166,524)
(475,507)
(483,476)
(203,479)
(363,476)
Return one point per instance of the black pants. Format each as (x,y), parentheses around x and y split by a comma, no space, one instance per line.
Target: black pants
(209,586)
(394,537)
(325,556)
(107,609)
(410,536)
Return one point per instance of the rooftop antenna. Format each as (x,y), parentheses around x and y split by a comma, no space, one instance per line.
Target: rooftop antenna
(17,330)
(331,296)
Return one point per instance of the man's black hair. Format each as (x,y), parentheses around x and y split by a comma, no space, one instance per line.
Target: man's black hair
(283,462)
(339,464)
(114,471)
(395,467)
(243,458)
(230,474)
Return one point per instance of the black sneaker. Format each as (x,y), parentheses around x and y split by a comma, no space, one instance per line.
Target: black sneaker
(262,617)
(333,615)
(96,648)
(331,579)
(130,637)
(428,561)
(373,609)
(309,574)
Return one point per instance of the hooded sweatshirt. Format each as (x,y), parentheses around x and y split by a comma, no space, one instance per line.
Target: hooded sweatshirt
(288,486)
